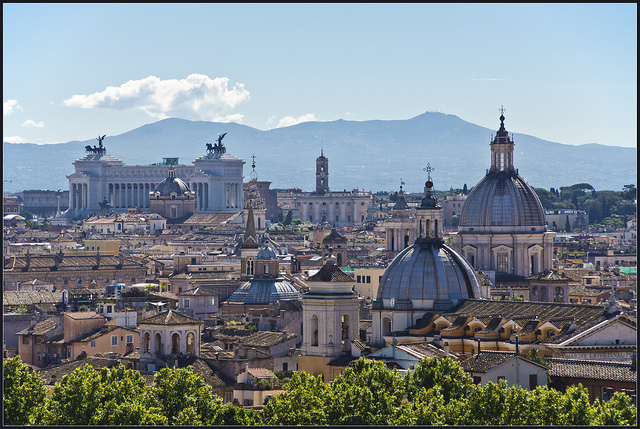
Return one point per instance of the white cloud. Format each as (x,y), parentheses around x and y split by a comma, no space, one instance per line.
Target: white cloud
(9,106)
(31,123)
(196,97)
(13,139)
(287,121)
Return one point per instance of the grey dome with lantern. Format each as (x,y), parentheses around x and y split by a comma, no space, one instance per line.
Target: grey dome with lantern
(172,184)
(502,198)
(428,275)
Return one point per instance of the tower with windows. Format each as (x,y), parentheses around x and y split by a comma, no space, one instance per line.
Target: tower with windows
(322,174)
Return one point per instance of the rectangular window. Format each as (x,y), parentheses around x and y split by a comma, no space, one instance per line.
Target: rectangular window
(212,301)
(502,263)
(285,366)
(114,340)
(129,339)
(476,379)
(187,304)
(93,343)
(25,340)
(201,302)
(533,381)
(228,396)
(368,279)
(362,204)
(358,279)
(39,356)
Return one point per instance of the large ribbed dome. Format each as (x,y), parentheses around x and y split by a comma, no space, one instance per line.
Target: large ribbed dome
(502,199)
(427,275)
(172,184)
(264,292)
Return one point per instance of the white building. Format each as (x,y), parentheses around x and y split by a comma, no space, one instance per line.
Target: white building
(215,178)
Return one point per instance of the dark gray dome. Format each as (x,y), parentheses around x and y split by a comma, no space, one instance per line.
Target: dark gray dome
(427,275)
(264,291)
(502,199)
(266,253)
(172,184)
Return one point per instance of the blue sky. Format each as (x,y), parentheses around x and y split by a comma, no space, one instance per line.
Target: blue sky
(564,72)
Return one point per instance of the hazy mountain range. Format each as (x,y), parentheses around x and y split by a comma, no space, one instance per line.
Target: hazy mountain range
(374,155)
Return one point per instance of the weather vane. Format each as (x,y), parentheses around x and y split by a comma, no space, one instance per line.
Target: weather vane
(429,169)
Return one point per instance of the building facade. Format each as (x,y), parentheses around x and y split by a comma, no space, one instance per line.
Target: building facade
(502,225)
(100,179)
(343,208)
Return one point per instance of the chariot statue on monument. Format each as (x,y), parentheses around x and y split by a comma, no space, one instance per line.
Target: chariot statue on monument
(218,149)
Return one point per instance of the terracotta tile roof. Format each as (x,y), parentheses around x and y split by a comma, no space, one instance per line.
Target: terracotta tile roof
(30,297)
(457,324)
(592,370)
(484,361)
(82,315)
(170,317)
(41,328)
(197,292)
(210,218)
(45,263)
(267,339)
(334,237)
(421,350)
(260,372)
(65,368)
(330,273)
(584,316)
(164,295)
(90,336)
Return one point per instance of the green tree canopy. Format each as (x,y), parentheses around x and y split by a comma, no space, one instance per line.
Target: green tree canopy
(107,397)
(23,392)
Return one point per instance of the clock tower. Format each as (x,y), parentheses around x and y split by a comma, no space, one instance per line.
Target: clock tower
(322,174)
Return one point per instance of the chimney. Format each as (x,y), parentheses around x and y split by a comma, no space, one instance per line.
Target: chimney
(27,261)
(478,346)
(446,348)
(98,259)
(517,345)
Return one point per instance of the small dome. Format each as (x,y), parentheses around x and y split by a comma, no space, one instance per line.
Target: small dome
(266,253)
(172,184)
(428,275)
(502,199)
(264,292)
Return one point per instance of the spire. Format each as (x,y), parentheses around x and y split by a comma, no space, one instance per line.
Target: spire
(250,229)
(502,149)
(253,173)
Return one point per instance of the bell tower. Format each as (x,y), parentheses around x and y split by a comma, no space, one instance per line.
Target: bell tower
(322,174)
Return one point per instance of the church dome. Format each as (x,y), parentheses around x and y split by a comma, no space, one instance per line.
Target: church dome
(172,184)
(502,199)
(427,276)
(266,253)
(264,291)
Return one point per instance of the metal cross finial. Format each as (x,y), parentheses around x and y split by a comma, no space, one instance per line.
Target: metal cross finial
(401,181)
(502,110)
(429,169)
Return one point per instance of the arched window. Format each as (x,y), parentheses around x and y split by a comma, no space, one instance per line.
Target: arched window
(345,331)
(158,344)
(190,343)
(146,342)
(314,330)
(386,326)
(175,343)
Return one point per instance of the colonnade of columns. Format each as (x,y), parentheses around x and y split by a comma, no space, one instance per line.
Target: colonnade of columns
(123,195)
(79,196)
(202,195)
(233,195)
